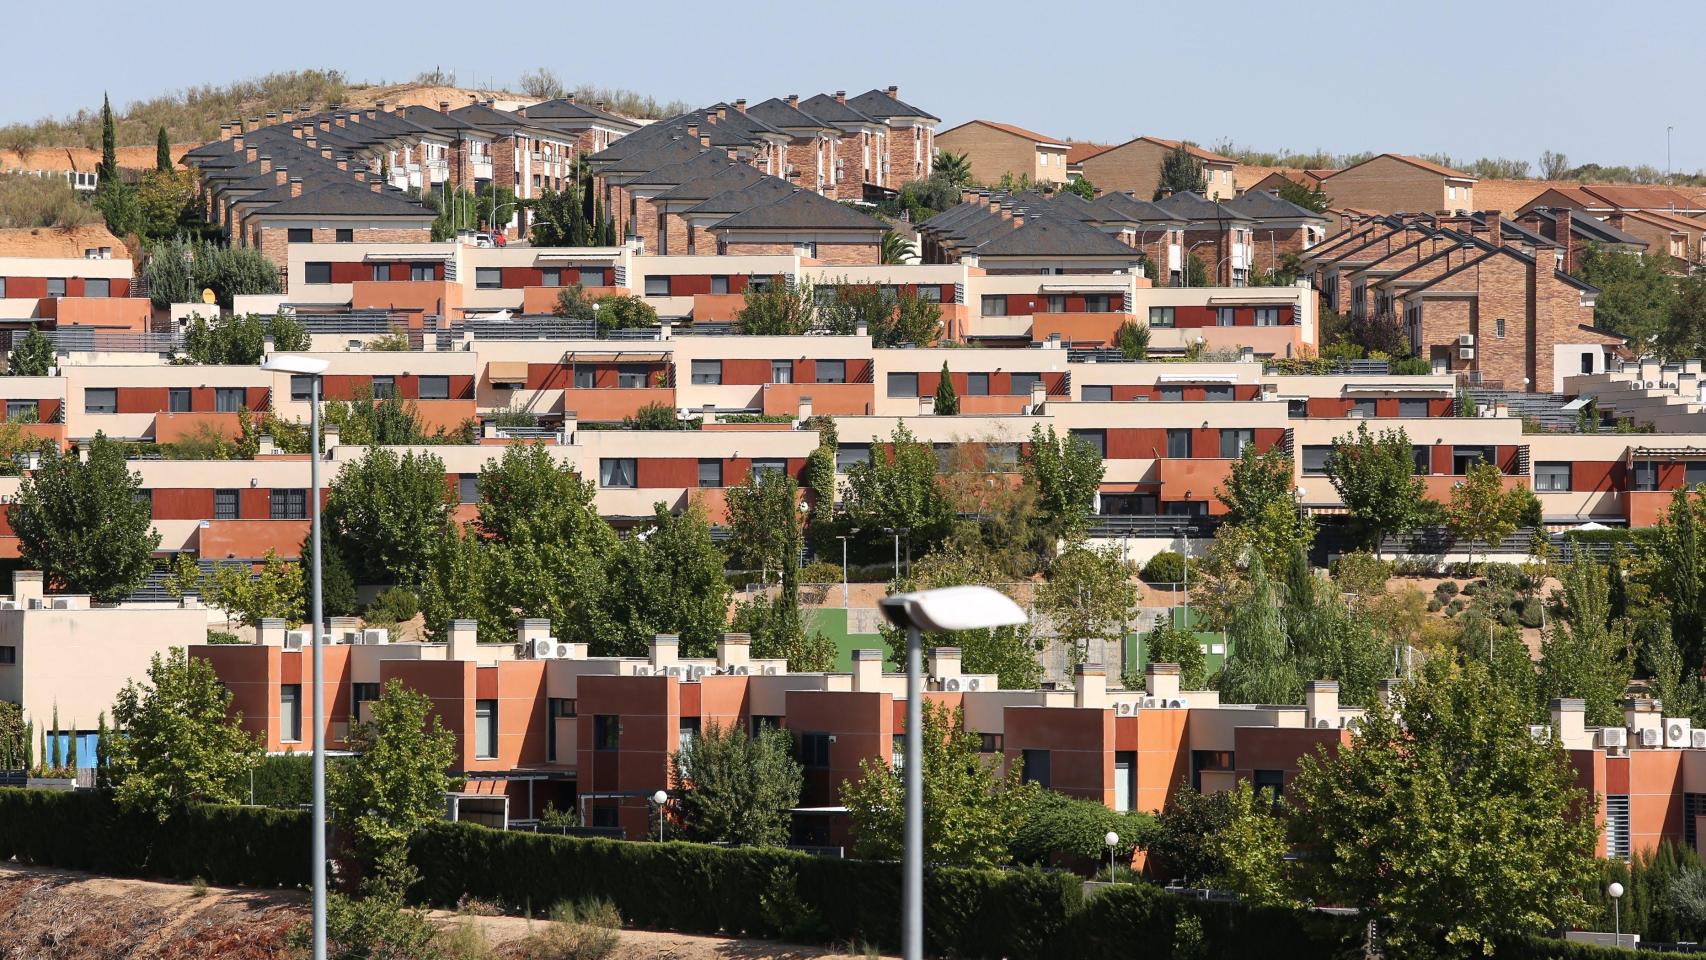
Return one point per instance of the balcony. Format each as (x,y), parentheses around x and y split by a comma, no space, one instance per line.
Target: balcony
(837,399)
(606,405)
(482,169)
(1195,481)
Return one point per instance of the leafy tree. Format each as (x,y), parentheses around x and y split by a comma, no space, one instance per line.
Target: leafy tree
(164,203)
(1008,652)
(971,809)
(1259,668)
(1252,848)
(396,782)
(657,416)
(1196,272)
(1183,847)
(241,340)
(85,525)
(1678,564)
(898,488)
(672,577)
(337,585)
(557,219)
(387,512)
(1132,339)
(288,334)
(365,421)
(459,586)
(765,525)
(952,168)
(1375,476)
(1482,509)
(1636,295)
(118,204)
(173,742)
(1259,494)
(922,199)
(778,308)
(394,605)
(778,631)
(32,356)
(1167,643)
(1446,817)
(1080,186)
(1088,596)
(617,312)
(1309,198)
(1180,173)
(947,401)
(897,248)
(276,590)
(1585,653)
(1554,165)
(1065,472)
(179,269)
(163,151)
(1059,830)
(737,788)
(914,320)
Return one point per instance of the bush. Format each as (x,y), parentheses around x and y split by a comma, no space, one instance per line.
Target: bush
(1177,927)
(1411,366)
(222,637)
(1165,567)
(1528,613)
(820,572)
(1064,831)
(1434,606)
(1446,590)
(584,931)
(395,605)
(284,781)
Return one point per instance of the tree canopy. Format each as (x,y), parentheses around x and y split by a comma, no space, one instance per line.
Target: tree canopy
(87,525)
(173,743)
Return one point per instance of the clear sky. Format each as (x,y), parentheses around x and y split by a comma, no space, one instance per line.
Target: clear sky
(1470,79)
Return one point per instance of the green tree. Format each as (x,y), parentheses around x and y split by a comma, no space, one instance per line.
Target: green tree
(396,781)
(1252,849)
(459,586)
(1678,564)
(1183,847)
(947,401)
(898,488)
(765,525)
(1008,652)
(672,582)
(897,248)
(1307,197)
(737,788)
(1167,643)
(1132,339)
(365,421)
(1636,294)
(1088,596)
(778,308)
(1685,329)
(107,172)
(1065,472)
(387,512)
(971,809)
(1080,186)
(657,416)
(952,168)
(1059,830)
(84,524)
(915,320)
(163,151)
(1180,172)
(1482,509)
(337,585)
(1446,818)
(1375,476)
(276,590)
(174,742)
(557,219)
(32,356)
(1260,667)
(1585,653)
(778,632)
(14,737)
(163,202)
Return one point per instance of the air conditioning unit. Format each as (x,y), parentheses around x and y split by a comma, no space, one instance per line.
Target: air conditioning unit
(973,684)
(1323,724)
(952,683)
(36,603)
(1613,737)
(742,670)
(1540,731)
(296,640)
(1178,704)
(9,605)
(375,635)
(770,671)
(1652,737)
(1676,731)
(1465,353)
(542,649)
(1150,703)
(673,672)
(697,672)
(642,670)
(564,651)
(1353,724)
(1122,709)
(1697,739)
(1466,339)
(61,603)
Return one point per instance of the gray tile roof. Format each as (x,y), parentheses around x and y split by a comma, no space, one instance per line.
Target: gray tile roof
(1268,205)
(776,113)
(802,210)
(347,198)
(878,103)
(764,191)
(836,113)
(735,176)
(1193,206)
(564,108)
(1051,236)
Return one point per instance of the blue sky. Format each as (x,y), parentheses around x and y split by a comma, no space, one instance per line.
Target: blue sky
(1492,78)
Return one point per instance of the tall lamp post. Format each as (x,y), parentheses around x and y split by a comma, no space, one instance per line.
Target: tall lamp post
(1616,892)
(897,533)
(947,609)
(844,537)
(315,370)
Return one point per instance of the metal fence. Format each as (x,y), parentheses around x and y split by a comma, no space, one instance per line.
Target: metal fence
(92,340)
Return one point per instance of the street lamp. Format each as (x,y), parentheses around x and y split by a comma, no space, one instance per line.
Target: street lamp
(1113,841)
(660,798)
(897,533)
(844,537)
(1616,892)
(947,609)
(314,369)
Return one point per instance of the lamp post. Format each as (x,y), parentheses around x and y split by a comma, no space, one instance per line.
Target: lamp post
(947,609)
(897,533)
(844,537)
(1113,841)
(660,798)
(314,369)
(1616,892)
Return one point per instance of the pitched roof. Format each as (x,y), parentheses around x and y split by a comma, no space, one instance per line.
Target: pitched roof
(1589,228)
(1051,236)
(801,210)
(1646,196)
(1417,162)
(1266,205)
(882,105)
(1137,210)
(835,112)
(1079,150)
(569,108)
(1192,206)
(761,192)
(1009,128)
(1190,148)
(777,113)
(348,198)
(734,177)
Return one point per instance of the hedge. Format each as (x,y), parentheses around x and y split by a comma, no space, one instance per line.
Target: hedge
(697,888)
(86,830)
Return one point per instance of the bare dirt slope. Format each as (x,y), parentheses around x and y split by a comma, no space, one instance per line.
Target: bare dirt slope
(53,914)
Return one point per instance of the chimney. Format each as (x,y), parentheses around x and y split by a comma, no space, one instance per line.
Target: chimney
(705,141)
(325,125)
(570,98)
(444,106)
(381,105)
(1161,680)
(926,406)
(1565,235)
(734,650)
(225,131)
(295,187)
(288,116)
(377,185)
(711,119)
(464,639)
(741,104)
(867,670)
(599,104)
(722,113)
(840,96)
(325,153)
(271,632)
(533,628)
(373,113)
(1321,702)
(266,163)
(945,662)
(1569,721)
(251,154)
(237,142)
(708,415)
(1019,217)
(894,92)
(1089,686)
(343,163)
(272,118)
(311,142)
(805,408)
(280,176)
(1495,228)
(666,650)
(693,131)
(793,100)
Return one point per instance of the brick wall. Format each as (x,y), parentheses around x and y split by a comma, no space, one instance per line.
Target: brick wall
(992,152)
(1390,186)
(1135,166)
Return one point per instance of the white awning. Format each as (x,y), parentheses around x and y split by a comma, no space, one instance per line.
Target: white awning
(1197,378)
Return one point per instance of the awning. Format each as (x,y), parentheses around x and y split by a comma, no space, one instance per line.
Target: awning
(411,255)
(1669,453)
(1197,378)
(1258,301)
(1579,402)
(1080,288)
(507,371)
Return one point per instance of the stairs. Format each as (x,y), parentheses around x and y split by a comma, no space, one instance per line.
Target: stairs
(1545,408)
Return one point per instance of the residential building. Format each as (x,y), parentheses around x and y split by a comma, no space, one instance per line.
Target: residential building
(910,138)
(1135,167)
(1396,183)
(997,150)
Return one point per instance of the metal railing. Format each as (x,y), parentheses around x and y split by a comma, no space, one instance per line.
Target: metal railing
(1152,526)
(91,340)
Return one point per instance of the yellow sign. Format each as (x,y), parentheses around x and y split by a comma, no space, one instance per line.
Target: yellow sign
(207,295)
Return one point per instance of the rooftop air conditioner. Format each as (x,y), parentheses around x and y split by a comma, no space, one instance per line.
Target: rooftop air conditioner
(642,670)
(1652,737)
(1465,353)
(1122,709)
(673,672)
(697,672)
(543,648)
(1150,703)
(9,605)
(1466,339)
(952,683)
(295,640)
(1323,724)
(375,635)
(1353,724)
(1676,731)
(1540,731)
(973,684)
(1697,739)
(1178,704)
(742,670)
(1613,737)
(770,671)
(564,651)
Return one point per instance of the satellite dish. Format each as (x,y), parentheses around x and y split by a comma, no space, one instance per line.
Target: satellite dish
(207,295)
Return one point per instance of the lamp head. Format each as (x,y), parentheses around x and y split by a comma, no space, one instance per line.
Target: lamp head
(660,798)
(295,363)
(1112,839)
(952,608)
(1615,890)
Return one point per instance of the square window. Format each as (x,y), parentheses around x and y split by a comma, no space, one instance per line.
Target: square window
(1178,444)
(551,277)
(1364,408)
(995,305)
(381,273)
(720,285)
(607,732)
(585,378)
(422,272)
(316,273)
(1097,303)
(1233,442)
(630,376)
(1314,462)
(831,371)
(1099,394)
(1267,316)
(435,388)
(56,286)
(1552,477)
(814,751)
(1694,474)
(384,388)
(100,400)
(1036,767)
(225,505)
(178,400)
(1217,393)
(1096,440)
(1161,316)
(657,286)
(1172,393)
(781,371)
(488,278)
(903,385)
(590,276)
(97,287)
(977,384)
(617,473)
(8,655)
(1412,408)
(848,454)
(300,235)
(1422,460)
(288,505)
(345,235)
(301,388)
(1462,458)
(928,294)
(1057,303)
(1297,409)
(1224,316)
(708,372)
(229,399)
(710,473)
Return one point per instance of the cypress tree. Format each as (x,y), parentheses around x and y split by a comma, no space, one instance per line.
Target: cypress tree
(101,733)
(44,746)
(29,746)
(108,171)
(71,748)
(57,758)
(947,401)
(162,151)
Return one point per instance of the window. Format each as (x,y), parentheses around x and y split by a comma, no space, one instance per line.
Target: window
(345,235)
(97,287)
(1223,316)
(1097,303)
(995,305)
(316,273)
(1233,442)
(1365,407)
(488,278)
(1125,779)
(1161,316)
(485,729)
(607,732)
(289,504)
(1646,475)
(1204,761)
(1297,409)
(929,294)
(1694,474)
(229,399)
(617,473)
(989,742)
(769,465)
(8,654)
(657,286)
(1172,394)
(1097,439)
(814,751)
(1617,827)
(178,400)
(1179,444)
(1587,357)
(422,271)
(384,388)
(2,288)
(1057,303)
(300,235)
(1422,460)
(707,371)
(719,284)
(1218,393)
(631,376)
(1273,781)
(848,454)
(100,400)
(381,272)
(1462,458)
(301,388)
(1315,460)
(551,277)
(585,378)
(1499,328)
(831,371)
(1020,384)
(710,473)
(1035,767)
(290,711)
(361,693)
(781,371)
(686,733)
(468,488)
(1102,394)
(56,286)
(591,276)
(903,385)
(1412,408)
(977,384)
(435,388)
(1552,477)
(1267,316)
(761,723)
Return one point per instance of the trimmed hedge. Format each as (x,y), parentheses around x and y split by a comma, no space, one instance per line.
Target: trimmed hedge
(86,830)
(705,889)
(1141,919)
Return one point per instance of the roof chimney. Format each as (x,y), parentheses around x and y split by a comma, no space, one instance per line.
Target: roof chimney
(280,176)
(1495,228)
(251,154)
(237,142)
(840,96)
(296,131)
(444,106)
(272,118)
(288,115)
(377,184)
(599,104)
(741,104)
(705,141)
(1564,233)
(570,98)
(380,104)
(266,163)
(295,186)
(894,92)
(793,100)
(693,131)
(722,113)
(225,131)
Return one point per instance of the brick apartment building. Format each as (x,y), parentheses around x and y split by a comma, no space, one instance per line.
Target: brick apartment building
(1396,183)
(995,150)
(1134,167)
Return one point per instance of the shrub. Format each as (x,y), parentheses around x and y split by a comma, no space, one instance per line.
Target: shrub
(1165,567)
(1446,590)
(222,637)
(1434,606)
(1528,613)
(585,931)
(395,605)
(284,781)
(820,572)
(1059,830)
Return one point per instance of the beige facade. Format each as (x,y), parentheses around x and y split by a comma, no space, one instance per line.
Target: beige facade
(1392,183)
(997,150)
